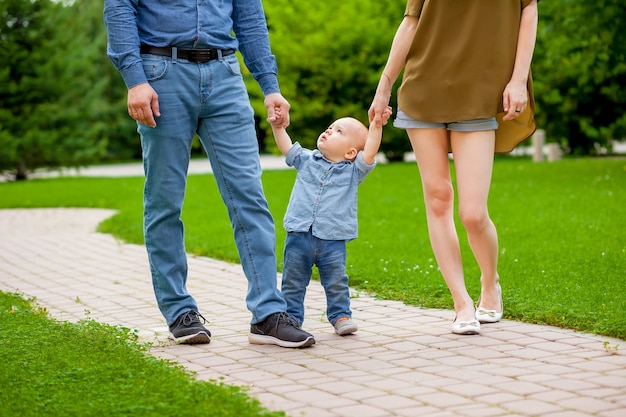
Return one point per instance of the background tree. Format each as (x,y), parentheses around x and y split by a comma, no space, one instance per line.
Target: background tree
(56,102)
(330,56)
(580,72)
(22,27)
(62,103)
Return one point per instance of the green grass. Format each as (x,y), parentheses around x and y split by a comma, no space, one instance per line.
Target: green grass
(561,228)
(562,243)
(52,368)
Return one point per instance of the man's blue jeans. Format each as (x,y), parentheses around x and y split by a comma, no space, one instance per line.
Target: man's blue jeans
(302,251)
(209,99)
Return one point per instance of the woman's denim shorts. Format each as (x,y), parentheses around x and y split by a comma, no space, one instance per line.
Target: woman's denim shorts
(404,121)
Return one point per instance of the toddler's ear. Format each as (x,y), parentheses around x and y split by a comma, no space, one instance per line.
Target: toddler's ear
(351,154)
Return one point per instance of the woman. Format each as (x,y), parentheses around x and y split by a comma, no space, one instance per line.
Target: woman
(464,62)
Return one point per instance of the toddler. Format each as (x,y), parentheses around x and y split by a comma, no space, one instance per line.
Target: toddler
(322,212)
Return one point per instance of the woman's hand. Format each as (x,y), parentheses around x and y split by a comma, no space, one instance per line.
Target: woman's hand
(514,99)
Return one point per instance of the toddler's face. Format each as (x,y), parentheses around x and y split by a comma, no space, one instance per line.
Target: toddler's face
(337,140)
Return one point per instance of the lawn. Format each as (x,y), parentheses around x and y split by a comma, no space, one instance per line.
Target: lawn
(561,230)
(53,368)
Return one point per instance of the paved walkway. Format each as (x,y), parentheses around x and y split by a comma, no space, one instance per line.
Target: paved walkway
(403,361)
(197,165)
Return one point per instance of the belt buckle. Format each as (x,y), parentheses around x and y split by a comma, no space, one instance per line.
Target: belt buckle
(200,55)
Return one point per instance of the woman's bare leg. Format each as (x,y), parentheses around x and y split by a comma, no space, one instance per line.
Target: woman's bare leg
(473,160)
(431,151)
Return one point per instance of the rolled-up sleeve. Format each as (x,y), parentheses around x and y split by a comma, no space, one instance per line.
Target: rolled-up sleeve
(291,159)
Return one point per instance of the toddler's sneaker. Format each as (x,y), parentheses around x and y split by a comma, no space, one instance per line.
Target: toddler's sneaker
(282,330)
(345,326)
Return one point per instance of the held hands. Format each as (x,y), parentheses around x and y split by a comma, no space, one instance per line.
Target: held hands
(379,111)
(277,110)
(375,134)
(380,120)
(143,104)
(380,103)
(514,99)
(275,119)
(278,117)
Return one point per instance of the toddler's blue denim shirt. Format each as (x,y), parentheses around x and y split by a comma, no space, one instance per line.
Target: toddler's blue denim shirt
(324,197)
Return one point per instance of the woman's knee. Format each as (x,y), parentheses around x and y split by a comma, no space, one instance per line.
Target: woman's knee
(474,219)
(439,199)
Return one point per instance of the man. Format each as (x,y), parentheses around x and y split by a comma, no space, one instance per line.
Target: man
(177,60)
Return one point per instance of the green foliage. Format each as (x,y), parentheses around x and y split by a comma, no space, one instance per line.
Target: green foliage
(21,28)
(57,368)
(560,228)
(580,72)
(560,225)
(57,104)
(329,58)
(62,103)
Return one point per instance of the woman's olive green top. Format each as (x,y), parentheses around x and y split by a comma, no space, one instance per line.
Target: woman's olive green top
(461,58)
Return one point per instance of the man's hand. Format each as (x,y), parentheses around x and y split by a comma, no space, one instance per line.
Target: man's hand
(277,110)
(282,138)
(143,104)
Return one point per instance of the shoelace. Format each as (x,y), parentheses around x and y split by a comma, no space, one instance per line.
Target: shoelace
(287,319)
(192,317)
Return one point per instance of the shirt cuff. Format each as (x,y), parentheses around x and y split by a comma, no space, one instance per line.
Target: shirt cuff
(134,75)
(269,84)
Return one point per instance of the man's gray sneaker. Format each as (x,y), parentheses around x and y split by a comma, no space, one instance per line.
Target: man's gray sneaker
(282,330)
(188,329)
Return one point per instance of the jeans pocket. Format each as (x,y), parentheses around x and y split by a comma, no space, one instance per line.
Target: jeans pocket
(232,64)
(155,67)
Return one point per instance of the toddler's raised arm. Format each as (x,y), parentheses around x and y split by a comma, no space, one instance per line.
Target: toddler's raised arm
(282,138)
(374,136)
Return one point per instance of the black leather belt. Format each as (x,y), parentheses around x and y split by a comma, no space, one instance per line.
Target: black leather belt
(193,55)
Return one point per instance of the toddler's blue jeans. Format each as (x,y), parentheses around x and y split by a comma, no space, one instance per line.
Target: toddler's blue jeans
(302,251)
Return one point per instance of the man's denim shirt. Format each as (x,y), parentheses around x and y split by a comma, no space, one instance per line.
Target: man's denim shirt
(196,24)
(324,197)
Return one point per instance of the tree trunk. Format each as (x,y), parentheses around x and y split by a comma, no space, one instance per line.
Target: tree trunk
(21,173)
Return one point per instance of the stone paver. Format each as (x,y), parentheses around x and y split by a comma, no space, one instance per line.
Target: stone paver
(404,361)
